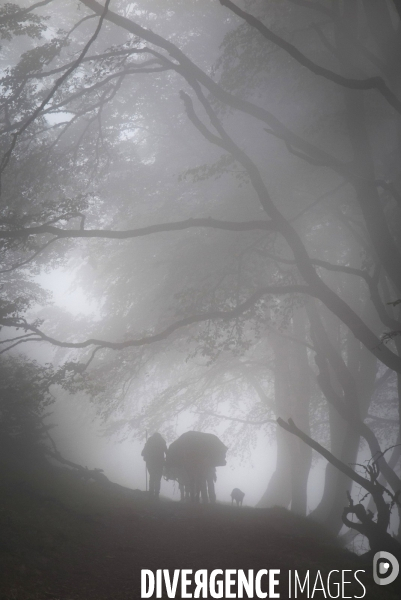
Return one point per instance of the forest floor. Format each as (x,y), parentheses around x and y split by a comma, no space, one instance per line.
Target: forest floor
(63,539)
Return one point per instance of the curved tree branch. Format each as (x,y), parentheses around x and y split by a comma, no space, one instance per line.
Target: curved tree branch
(245,421)
(190,71)
(150,339)
(303,262)
(30,259)
(371,83)
(6,158)
(140,232)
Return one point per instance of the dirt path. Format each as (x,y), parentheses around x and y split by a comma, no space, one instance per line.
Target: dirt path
(112,550)
(99,556)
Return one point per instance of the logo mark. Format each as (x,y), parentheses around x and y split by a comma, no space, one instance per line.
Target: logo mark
(385,568)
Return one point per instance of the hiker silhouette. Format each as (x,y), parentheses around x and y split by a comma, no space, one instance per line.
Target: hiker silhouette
(153,454)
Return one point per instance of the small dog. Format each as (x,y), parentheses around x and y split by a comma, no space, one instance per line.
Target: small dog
(237,496)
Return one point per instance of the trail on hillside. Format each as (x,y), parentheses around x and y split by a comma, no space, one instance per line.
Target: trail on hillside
(58,550)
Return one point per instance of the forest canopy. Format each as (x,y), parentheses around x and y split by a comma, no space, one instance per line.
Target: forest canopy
(222,180)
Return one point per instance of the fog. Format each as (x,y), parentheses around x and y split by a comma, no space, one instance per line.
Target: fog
(200,231)
(79,433)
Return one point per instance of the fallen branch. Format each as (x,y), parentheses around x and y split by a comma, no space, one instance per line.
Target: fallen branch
(376,532)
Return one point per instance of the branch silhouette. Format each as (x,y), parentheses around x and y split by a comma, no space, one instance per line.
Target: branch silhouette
(371,83)
(140,232)
(210,315)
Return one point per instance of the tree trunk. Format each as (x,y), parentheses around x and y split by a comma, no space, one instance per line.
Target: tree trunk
(344,444)
(288,485)
(278,492)
(302,458)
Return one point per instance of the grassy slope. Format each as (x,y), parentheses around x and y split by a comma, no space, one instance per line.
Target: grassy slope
(69,540)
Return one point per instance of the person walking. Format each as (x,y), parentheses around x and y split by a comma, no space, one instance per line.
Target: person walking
(153,454)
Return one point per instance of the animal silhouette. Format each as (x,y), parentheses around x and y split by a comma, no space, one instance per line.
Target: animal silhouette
(192,460)
(237,496)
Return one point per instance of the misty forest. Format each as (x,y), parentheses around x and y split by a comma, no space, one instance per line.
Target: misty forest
(200,230)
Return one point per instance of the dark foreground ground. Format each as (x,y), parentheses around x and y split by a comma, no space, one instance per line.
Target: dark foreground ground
(65,539)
